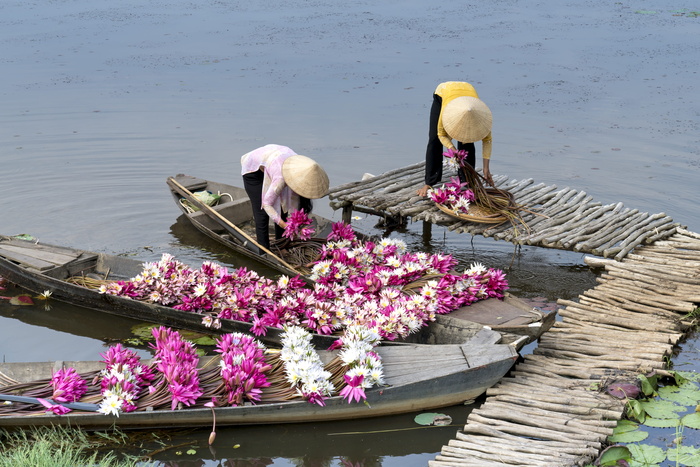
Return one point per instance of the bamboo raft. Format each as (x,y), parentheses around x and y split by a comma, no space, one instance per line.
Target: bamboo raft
(551,410)
(564,219)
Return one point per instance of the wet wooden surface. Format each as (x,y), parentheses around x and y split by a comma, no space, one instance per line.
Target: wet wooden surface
(552,410)
(561,218)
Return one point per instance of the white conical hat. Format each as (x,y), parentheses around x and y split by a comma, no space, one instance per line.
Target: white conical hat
(467,119)
(305,177)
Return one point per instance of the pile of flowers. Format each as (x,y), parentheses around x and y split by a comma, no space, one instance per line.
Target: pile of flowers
(453,195)
(303,366)
(68,386)
(376,284)
(243,367)
(298,226)
(364,366)
(177,360)
(122,380)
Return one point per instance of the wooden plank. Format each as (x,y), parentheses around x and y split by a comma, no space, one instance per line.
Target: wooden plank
(26,260)
(50,255)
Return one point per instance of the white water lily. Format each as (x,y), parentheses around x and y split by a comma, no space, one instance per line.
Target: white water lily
(46,294)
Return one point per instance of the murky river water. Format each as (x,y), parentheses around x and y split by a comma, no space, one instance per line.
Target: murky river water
(102,101)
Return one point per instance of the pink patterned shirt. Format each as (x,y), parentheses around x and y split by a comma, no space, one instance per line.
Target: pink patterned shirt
(276,195)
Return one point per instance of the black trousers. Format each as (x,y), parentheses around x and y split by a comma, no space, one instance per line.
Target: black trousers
(433,153)
(253,184)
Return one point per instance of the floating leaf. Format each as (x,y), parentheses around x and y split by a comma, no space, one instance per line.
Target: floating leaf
(687,375)
(627,431)
(692,420)
(646,454)
(612,454)
(191,452)
(684,455)
(205,340)
(662,408)
(438,419)
(631,437)
(661,422)
(645,12)
(22,300)
(623,390)
(143,331)
(688,395)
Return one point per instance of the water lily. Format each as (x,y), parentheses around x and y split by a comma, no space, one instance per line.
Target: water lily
(297,228)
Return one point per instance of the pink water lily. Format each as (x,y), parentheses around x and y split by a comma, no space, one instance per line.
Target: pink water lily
(58,409)
(354,389)
(243,367)
(177,361)
(68,385)
(298,226)
(454,195)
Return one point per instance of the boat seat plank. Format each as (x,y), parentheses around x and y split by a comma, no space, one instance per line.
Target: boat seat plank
(191,183)
(51,255)
(496,313)
(26,260)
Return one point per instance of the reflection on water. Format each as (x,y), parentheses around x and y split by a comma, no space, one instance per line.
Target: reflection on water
(102,103)
(383,441)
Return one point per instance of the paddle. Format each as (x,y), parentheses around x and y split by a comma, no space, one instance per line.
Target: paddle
(33,400)
(228,225)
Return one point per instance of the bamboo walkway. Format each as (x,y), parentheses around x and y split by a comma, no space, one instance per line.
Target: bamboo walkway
(564,219)
(552,409)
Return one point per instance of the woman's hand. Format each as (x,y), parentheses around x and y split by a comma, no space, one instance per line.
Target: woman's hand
(423,191)
(282,224)
(487,172)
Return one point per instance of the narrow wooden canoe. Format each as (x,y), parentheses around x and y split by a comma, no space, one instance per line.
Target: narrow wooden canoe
(40,267)
(417,377)
(230,222)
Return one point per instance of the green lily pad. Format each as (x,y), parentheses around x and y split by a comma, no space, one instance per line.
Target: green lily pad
(437,419)
(646,454)
(627,431)
(692,420)
(662,409)
(661,422)
(684,455)
(688,395)
(612,454)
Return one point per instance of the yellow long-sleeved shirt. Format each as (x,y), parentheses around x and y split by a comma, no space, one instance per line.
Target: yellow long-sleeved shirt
(449,91)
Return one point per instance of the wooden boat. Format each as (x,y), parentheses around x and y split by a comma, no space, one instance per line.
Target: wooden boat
(230,222)
(414,382)
(40,267)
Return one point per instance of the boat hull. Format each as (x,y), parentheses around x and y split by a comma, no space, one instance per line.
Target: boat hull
(425,388)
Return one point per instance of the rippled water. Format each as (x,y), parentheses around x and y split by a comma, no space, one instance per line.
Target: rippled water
(102,101)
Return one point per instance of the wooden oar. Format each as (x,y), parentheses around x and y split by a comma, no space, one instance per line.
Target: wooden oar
(228,225)
(33,400)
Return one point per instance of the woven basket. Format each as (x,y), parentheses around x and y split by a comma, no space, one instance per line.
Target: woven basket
(477,213)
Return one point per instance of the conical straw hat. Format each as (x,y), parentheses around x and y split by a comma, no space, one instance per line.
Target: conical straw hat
(305,177)
(467,119)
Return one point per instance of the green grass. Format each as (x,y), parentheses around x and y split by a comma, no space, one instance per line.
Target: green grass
(58,447)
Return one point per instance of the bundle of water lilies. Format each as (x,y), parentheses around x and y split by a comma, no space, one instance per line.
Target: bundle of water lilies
(244,372)
(298,246)
(472,200)
(357,283)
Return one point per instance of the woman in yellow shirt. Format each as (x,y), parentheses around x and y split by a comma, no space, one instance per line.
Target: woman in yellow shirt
(457,114)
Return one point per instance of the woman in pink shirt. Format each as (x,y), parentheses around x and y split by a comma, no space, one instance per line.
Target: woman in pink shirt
(279,181)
